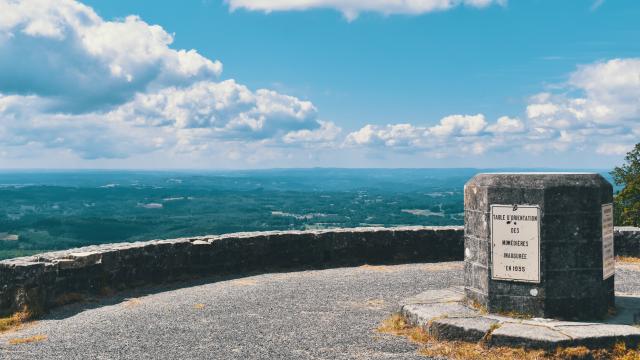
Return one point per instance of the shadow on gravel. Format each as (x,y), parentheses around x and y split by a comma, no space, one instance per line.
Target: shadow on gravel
(92,301)
(627,311)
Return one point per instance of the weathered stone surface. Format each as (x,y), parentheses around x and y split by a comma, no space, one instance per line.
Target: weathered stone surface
(461,328)
(445,318)
(448,295)
(37,281)
(421,314)
(530,336)
(571,284)
(600,335)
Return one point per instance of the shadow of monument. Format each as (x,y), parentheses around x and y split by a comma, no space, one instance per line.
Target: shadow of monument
(627,310)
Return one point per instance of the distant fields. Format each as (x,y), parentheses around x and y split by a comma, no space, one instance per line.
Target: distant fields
(42,211)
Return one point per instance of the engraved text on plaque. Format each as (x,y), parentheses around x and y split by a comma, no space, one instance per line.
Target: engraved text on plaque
(515,243)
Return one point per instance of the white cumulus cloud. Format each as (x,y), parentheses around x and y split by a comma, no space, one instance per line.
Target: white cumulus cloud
(393,135)
(63,50)
(452,133)
(597,107)
(507,125)
(72,81)
(459,125)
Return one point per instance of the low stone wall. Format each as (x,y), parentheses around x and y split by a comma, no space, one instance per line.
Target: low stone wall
(627,241)
(39,281)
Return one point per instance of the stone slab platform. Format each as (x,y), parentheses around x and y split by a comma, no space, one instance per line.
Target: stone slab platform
(445,316)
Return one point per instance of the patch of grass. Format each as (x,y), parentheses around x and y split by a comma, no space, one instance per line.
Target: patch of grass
(30,339)
(375,304)
(628,259)
(515,315)
(483,311)
(131,302)
(620,352)
(397,325)
(462,350)
(459,350)
(481,308)
(573,353)
(69,298)
(15,320)
(394,325)
(380,268)
(487,337)
(244,282)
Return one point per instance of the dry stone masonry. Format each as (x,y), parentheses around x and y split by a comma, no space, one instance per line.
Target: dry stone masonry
(38,281)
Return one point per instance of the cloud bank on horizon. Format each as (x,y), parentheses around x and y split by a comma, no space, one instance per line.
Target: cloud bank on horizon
(603,117)
(76,88)
(352,8)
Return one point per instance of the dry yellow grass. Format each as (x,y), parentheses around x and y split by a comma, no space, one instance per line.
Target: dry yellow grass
(244,282)
(380,268)
(131,302)
(461,350)
(374,304)
(397,325)
(515,315)
(628,259)
(481,308)
(487,337)
(30,339)
(15,320)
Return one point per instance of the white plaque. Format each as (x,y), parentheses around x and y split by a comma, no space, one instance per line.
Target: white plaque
(515,243)
(608,260)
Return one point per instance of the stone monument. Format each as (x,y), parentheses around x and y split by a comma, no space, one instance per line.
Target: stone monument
(539,244)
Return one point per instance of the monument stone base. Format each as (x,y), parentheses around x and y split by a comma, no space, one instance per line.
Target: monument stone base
(445,316)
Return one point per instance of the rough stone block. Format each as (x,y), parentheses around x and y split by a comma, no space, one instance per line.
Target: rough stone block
(461,328)
(514,334)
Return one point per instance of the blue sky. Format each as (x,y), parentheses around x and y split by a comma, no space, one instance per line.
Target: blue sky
(344,83)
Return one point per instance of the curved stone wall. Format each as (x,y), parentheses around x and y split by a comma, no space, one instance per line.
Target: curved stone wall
(39,281)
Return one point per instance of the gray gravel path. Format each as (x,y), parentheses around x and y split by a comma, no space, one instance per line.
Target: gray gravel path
(323,314)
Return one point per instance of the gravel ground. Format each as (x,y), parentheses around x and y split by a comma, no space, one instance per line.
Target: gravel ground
(323,314)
